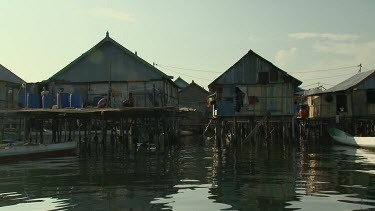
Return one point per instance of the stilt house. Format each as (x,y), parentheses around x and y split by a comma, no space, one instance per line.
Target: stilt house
(9,86)
(110,70)
(254,86)
(354,97)
(193,96)
(181,83)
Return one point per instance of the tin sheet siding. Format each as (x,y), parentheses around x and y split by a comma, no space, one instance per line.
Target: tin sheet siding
(265,86)
(369,83)
(360,103)
(240,73)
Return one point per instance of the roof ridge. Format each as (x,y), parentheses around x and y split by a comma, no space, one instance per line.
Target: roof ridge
(101,42)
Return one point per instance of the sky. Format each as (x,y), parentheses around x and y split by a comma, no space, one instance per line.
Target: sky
(318,42)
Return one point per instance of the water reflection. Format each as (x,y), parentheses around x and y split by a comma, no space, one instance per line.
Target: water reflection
(331,179)
(195,176)
(191,195)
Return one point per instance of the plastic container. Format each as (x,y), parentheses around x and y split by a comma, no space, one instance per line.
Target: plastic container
(47,101)
(75,100)
(63,100)
(33,100)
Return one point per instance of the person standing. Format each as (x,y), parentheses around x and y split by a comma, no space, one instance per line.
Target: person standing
(130,101)
(44,94)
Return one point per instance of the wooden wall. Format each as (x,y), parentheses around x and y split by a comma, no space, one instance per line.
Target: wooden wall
(273,99)
(357,105)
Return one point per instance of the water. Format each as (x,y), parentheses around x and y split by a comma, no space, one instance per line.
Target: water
(194,176)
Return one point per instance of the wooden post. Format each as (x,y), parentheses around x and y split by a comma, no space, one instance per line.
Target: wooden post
(2,129)
(41,131)
(104,133)
(218,131)
(293,129)
(234,138)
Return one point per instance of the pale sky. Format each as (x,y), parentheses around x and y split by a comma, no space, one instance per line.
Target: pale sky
(40,37)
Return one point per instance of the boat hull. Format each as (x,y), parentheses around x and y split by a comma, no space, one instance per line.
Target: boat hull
(38,149)
(347,139)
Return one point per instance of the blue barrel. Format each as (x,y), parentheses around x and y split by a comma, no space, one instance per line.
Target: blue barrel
(47,101)
(96,100)
(63,100)
(33,100)
(75,100)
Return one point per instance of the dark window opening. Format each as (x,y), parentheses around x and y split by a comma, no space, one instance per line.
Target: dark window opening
(263,77)
(341,103)
(274,75)
(371,96)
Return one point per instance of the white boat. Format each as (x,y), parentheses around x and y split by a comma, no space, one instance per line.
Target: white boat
(10,150)
(345,138)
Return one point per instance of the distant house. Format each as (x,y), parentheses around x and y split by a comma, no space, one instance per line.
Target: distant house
(110,70)
(181,83)
(193,96)
(354,97)
(9,86)
(254,86)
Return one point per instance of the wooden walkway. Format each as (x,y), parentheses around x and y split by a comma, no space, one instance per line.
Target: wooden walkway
(101,127)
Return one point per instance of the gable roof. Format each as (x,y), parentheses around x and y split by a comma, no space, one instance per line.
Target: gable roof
(181,83)
(250,52)
(126,67)
(351,82)
(193,84)
(9,76)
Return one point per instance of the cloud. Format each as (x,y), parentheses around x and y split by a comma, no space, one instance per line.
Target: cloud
(323,36)
(111,13)
(284,56)
(356,49)
(359,51)
(252,38)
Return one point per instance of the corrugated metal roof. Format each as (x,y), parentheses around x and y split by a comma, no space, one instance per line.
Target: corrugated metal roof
(7,75)
(181,83)
(315,91)
(108,61)
(351,82)
(193,84)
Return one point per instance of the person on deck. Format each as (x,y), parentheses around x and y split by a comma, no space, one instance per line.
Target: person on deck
(43,93)
(130,101)
(361,129)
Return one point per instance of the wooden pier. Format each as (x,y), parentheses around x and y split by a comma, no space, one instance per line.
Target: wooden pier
(101,128)
(265,130)
(253,129)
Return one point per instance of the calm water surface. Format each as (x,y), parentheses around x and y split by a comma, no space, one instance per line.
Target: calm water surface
(194,176)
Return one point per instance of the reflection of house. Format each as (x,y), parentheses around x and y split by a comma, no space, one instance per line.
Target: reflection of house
(354,97)
(264,88)
(109,67)
(181,83)
(193,96)
(9,86)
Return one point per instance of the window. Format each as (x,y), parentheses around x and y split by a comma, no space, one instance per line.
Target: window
(341,103)
(371,96)
(274,75)
(263,77)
